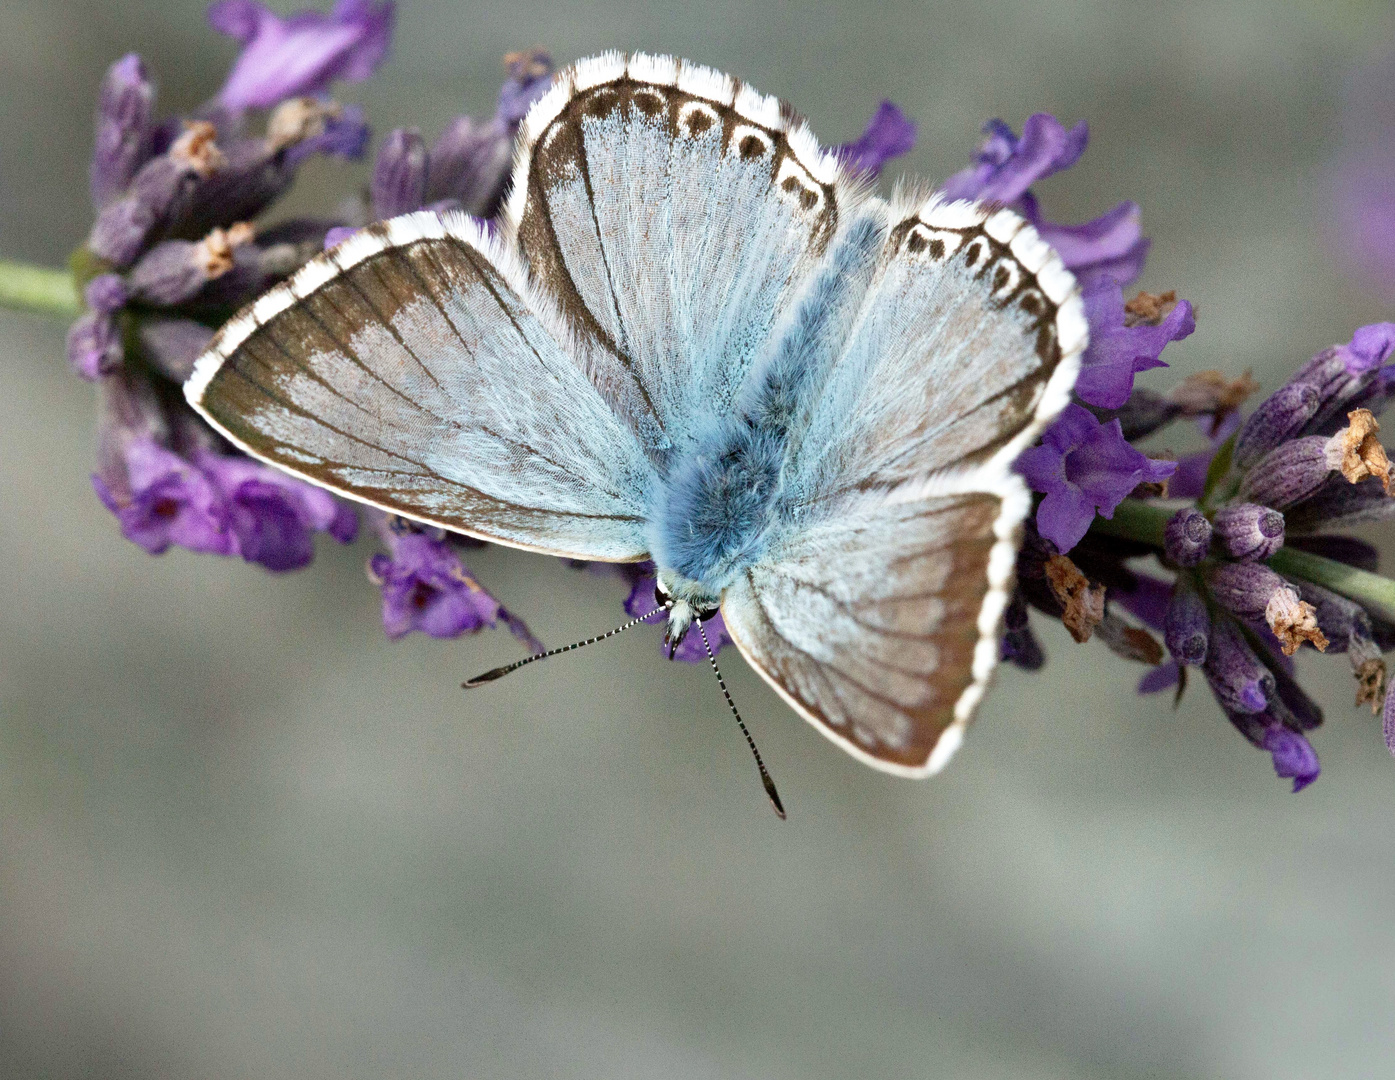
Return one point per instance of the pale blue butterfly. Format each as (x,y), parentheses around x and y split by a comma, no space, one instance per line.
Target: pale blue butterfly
(697,340)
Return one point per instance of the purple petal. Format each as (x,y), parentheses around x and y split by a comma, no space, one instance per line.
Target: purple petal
(1160,678)
(169,502)
(889,134)
(425,587)
(1064,517)
(1007,166)
(338,235)
(1111,245)
(300,55)
(1117,352)
(1293,755)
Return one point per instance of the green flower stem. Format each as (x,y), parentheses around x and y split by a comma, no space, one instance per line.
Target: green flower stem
(39,289)
(1135,519)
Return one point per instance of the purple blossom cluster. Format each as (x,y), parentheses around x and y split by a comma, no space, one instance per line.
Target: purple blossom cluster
(1225,522)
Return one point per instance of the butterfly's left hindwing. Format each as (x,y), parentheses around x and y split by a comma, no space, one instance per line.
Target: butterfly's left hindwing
(409,368)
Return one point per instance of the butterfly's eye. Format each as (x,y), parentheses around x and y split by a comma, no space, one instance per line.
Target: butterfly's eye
(706,614)
(660,597)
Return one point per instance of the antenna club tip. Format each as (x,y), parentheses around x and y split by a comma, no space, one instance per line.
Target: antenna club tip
(487,677)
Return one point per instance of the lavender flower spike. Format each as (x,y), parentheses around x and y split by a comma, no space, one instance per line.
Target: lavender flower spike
(889,134)
(300,55)
(1084,467)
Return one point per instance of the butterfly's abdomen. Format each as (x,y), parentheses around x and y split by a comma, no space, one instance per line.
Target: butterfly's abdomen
(718,505)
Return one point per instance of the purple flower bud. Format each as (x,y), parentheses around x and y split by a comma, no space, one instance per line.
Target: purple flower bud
(1342,621)
(271,516)
(1347,376)
(1248,531)
(426,587)
(154,197)
(106,293)
(123,128)
(171,346)
(302,54)
(1340,503)
(399,175)
(1007,166)
(1187,625)
(889,134)
(1288,474)
(1244,588)
(174,270)
(1187,537)
(1117,351)
(1084,467)
(1277,418)
(1236,675)
(94,345)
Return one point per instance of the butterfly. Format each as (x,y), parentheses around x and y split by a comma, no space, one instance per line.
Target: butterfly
(696,338)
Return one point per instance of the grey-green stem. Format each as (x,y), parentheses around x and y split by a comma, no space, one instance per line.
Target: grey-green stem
(40,289)
(1135,519)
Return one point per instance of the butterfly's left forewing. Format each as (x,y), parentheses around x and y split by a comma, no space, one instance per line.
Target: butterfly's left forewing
(413,368)
(874,608)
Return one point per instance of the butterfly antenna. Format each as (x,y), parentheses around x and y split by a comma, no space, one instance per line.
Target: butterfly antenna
(764,775)
(500,672)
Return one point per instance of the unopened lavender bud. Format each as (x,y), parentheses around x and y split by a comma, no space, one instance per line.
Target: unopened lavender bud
(1187,625)
(1187,537)
(106,293)
(1239,680)
(530,74)
(399,175)
(94,345)
(469,162)
(1288,474)
(159,194)
(1276,419)
(1244,588)
(1248,531)
(123,128)
(173,271)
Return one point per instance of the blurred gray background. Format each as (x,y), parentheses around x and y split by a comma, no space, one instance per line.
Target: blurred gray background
(242,835)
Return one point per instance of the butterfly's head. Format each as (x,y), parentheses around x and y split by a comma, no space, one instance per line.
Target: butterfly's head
(684,600)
